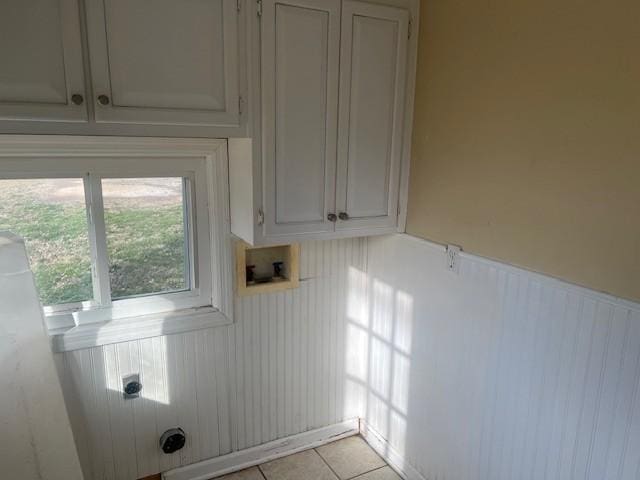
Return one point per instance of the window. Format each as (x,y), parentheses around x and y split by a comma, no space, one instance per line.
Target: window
(147,229)
(50,214)
(119,235)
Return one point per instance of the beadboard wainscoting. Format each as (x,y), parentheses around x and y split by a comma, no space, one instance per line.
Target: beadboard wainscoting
(289,349)
(490,372)
(185,383)
(279,370)
(495,372)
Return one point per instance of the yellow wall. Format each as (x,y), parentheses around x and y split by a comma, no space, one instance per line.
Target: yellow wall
(526,142)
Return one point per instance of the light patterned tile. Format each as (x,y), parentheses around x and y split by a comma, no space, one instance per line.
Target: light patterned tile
(249,474)
(350,457)
(384,473)
(305,465)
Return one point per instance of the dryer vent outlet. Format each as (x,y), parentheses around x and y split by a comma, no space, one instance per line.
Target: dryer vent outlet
(172,440)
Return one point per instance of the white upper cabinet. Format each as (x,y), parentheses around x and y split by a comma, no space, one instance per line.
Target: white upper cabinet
(337,81)
(327,88)
(300,61)
(373,70)
(41,69)
(160,62)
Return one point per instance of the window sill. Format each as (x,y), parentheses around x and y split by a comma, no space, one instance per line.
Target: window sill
(90,335)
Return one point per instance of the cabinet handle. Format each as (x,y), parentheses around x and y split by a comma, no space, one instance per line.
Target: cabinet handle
(332,217)
(343,216)
(77,99)
(103,100)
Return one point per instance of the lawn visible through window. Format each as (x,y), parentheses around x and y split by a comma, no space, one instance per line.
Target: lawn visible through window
(116,230)
(146,230)
(50,214)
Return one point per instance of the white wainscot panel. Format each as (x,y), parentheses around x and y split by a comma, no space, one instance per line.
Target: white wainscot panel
(289,348)
(496,372)
(277,371)
(185,383)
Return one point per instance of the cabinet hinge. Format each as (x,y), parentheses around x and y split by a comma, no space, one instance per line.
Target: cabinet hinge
(259,7)
(410,28)
(260,216)
(238,4)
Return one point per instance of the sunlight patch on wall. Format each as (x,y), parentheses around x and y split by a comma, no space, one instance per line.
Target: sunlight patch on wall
(357,305)
(357,352)
(401,378)
(148,358)
(378,354)
(380,365)
(402,337)
(382,310)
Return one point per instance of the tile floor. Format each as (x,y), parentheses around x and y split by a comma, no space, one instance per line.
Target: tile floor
(350,458)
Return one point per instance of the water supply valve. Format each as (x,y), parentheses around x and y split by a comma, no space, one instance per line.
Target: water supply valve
(172,440)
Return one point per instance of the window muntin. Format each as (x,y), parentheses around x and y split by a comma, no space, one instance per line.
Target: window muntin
(193,174)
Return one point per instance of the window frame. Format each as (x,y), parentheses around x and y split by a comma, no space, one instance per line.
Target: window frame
(203,162)
(194,223)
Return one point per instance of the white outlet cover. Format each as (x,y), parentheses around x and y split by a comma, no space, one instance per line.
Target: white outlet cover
(128,379)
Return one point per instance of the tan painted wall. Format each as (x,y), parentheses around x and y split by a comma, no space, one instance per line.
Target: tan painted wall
(526,140)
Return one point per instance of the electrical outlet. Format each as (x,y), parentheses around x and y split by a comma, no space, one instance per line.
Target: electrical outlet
(453,258)
(131,386)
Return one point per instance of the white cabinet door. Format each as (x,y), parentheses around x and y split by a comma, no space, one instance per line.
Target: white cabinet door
(373,62)
(164,61)
(41,72)
(300,61)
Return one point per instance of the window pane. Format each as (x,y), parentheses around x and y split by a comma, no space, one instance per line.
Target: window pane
(50,214)
(146,239)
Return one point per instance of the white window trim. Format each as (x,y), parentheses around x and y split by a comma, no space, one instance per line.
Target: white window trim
(132,318)
(101,308)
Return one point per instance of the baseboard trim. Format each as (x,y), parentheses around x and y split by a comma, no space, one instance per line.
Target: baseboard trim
(388,453)
(249,457)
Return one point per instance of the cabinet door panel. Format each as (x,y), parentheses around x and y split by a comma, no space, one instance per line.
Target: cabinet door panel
(40,60)
(300,85)
(372,95)
(165,61)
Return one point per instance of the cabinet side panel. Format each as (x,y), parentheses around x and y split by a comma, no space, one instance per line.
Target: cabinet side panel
(241,202)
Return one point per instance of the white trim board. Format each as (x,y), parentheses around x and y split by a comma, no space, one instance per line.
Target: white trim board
(135,328)
(539,276)
(388,453)
(23,154)
(249,457)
